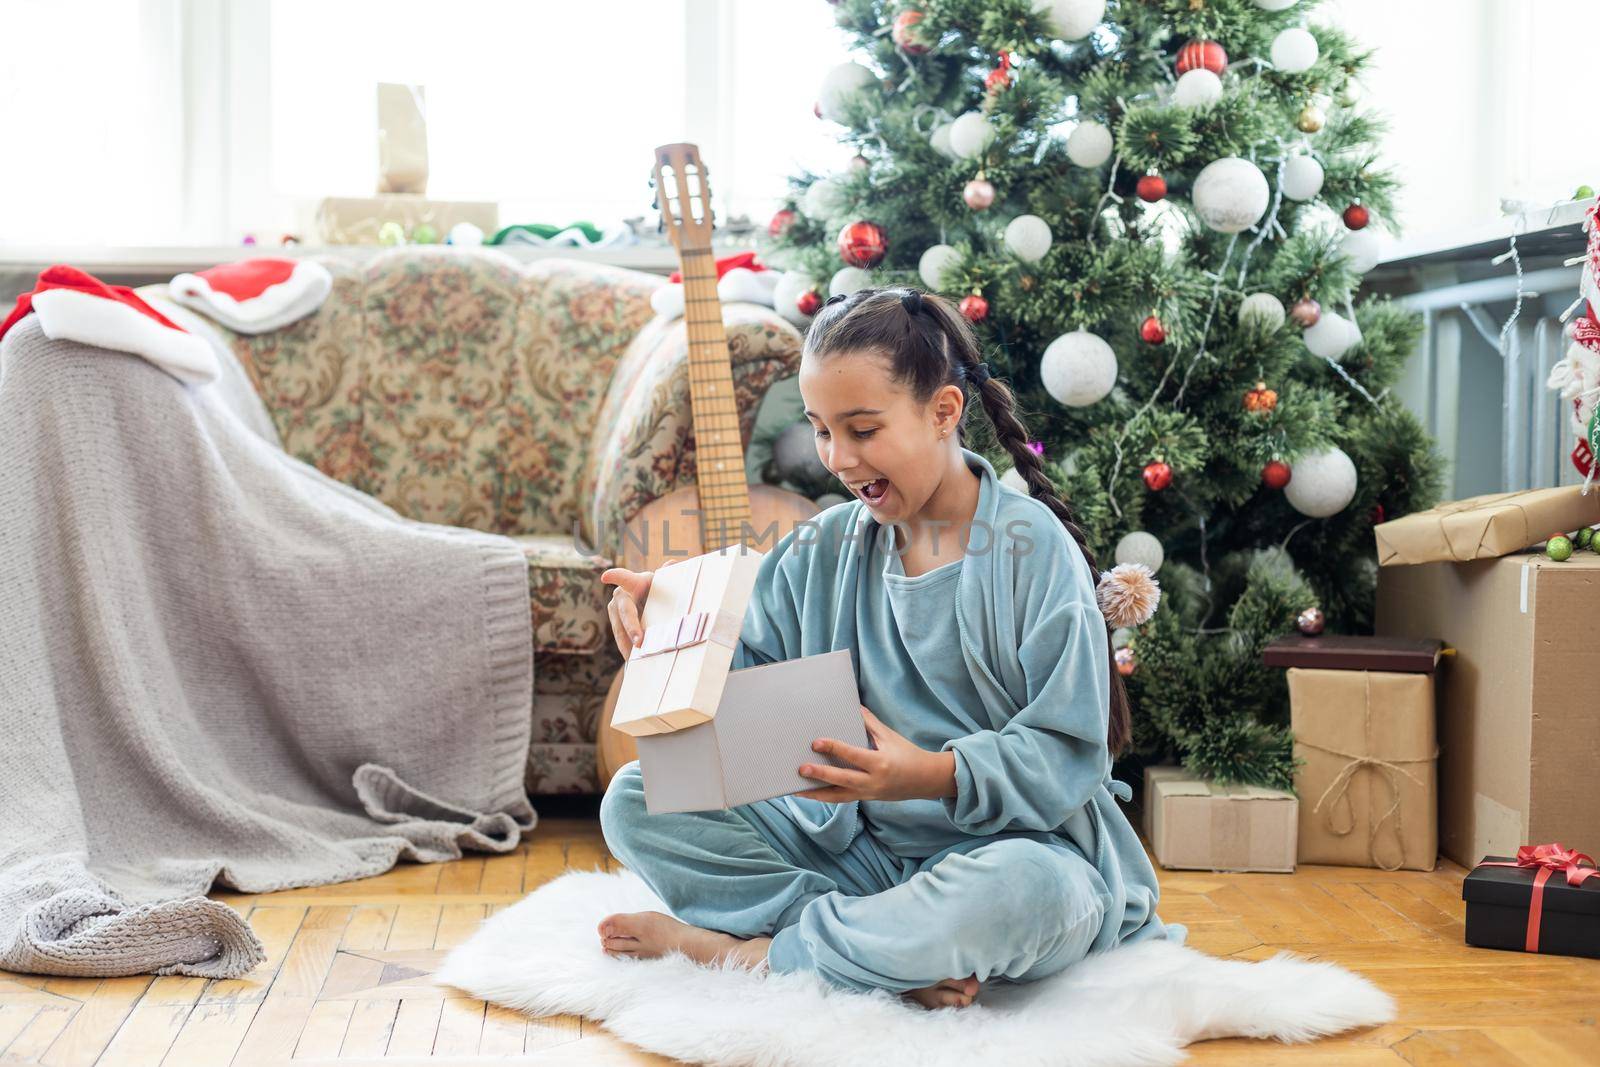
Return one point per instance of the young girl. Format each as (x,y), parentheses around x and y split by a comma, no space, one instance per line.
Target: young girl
(978,837)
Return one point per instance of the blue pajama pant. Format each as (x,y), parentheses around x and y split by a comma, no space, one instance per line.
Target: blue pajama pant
(1015,907)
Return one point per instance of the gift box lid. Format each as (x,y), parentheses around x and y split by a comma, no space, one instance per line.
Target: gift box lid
(1513,887)
(675,676)
(1350,652)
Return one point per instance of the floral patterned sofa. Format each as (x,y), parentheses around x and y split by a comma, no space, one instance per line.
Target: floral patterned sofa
(543,401)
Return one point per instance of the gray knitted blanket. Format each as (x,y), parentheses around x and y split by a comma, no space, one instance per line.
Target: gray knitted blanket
(218,664)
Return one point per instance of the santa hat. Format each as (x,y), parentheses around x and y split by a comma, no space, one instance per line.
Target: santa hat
(73,305)
(255,295)
(739,278)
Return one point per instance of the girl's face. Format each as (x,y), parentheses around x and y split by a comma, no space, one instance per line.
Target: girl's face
(874,436)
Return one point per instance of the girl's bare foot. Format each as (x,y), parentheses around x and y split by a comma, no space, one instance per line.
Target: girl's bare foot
(950,993)
(647,934)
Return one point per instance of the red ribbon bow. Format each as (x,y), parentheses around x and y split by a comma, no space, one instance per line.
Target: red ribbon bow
(1548,859)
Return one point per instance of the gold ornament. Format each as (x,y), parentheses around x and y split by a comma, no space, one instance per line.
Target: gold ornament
(1026,281)
(1311,119)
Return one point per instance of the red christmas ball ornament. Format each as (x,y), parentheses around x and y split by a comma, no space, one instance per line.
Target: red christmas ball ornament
(1305,312)
(1151,332)
(1356,217)
(1377,515)
(780,222)
(1207,54)
(999,79)
(1276,474)
(974,307)
(863,244)
(1260,399)
(978,194)
(907,35)
(808,302)
(1151,188)
(1157,476)
(1126,664)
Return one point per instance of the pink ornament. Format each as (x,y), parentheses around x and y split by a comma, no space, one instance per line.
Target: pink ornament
(978,194)
(1305,312)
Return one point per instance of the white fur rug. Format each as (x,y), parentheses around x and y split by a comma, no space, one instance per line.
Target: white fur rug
(1135,1005)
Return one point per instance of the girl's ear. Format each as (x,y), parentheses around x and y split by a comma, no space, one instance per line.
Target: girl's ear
(946,408)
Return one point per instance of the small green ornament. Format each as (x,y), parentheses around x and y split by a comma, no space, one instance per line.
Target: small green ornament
(1559,548)
(1585,537)
(1584,192)
(424,234)
(391,233)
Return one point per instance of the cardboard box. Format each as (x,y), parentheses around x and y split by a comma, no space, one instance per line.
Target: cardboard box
(1499,906)
(712,738)
(1519,725)
(1483,526)
(354,220)
(1192,824)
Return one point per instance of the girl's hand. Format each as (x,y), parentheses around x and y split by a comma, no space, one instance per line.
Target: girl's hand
(894,769)
(626,601)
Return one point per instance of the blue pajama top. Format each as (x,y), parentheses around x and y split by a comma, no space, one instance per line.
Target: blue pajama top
(998,656)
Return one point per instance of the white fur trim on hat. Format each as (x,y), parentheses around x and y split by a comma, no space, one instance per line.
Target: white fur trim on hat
(276,306)
(70,315)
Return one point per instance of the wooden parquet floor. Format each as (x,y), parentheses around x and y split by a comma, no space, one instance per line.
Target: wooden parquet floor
(349,974)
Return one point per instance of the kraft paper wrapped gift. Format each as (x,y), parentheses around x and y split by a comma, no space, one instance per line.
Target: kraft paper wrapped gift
(1362,713)
(712,738)
(355,220)
(1482,526)
(1194,825)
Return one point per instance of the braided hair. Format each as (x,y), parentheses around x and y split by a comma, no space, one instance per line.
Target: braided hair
(928,344)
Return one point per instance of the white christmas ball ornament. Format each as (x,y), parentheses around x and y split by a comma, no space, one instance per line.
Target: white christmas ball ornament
(1262,311)
(1274,5)
(795,453)
(466,234)
(839,85)
(786,295)
(1028,238)
(1089,145)
(824,200)
(1294,51)
(1197,88)
(1230,194)
(970,134)
(940,140)
(1324,483)
(1071,20)
(1014,480)
(1140,547)
(1363,249)
(934,262)
(1330,338)
(847,280)
(1302,178)
(1078,369)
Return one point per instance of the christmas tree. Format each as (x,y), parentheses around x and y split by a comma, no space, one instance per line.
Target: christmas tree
(1156,214)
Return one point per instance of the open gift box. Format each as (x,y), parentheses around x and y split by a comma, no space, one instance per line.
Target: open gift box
(710,737)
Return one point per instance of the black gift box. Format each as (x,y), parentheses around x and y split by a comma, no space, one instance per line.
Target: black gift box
(1497,910)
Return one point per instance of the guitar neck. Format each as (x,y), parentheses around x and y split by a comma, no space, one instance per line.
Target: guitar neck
(719,452)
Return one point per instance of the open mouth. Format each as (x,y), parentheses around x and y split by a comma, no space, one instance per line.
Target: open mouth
(874,491)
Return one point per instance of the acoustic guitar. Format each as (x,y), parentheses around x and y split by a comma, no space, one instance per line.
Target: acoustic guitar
(720,509)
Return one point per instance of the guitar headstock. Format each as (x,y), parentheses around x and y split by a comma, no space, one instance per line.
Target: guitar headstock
(683,195)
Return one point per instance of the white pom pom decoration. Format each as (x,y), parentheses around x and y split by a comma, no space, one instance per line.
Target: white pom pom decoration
(1128,594)
(847,280)
(1028,238)
(940,140)
(1302,178)
(795,453)
(839,85)
(970,134)
(1140,547)
(1014,480)
(1330,338)
(1261,311)
(1363,248)
(824,200)
(932,265)
(1324,483)
(1089,144)
(1078,369)
(786,295)
(1071,20)
(1294,51)
(1197,87)
(1230,194)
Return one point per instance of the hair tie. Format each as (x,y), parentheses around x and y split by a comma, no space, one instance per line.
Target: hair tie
(835,298)
(911,300)
(978,373)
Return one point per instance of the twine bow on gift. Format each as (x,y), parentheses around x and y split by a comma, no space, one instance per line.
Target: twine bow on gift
(1339,790)
(1548,859)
